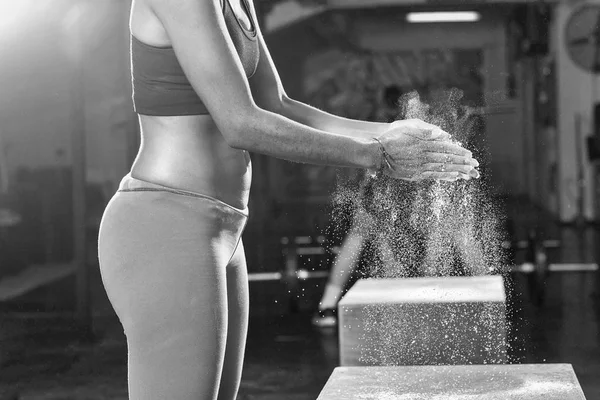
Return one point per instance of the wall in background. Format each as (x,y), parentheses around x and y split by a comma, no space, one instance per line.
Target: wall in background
(44,48)
(575,100)
(503,136)
(40,84)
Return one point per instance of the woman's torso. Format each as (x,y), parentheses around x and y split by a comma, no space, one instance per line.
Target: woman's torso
(187,152)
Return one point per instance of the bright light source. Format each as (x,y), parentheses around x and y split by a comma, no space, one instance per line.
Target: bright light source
(14,13)
(443,16)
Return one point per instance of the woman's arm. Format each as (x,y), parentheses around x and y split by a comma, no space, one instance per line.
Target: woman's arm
(269,94)
(319,119)
(197,31)
(199,37)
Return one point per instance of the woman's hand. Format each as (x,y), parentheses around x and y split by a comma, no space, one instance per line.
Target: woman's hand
(416,150)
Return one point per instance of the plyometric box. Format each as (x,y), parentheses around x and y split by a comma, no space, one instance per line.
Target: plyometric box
(456,382)
(423,321)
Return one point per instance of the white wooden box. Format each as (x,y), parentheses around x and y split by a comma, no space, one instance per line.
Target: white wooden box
(456,382)
(423,321)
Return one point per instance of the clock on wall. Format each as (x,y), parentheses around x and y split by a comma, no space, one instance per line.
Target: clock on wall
(582,36)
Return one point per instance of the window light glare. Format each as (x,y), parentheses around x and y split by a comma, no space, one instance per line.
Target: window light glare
(446,16)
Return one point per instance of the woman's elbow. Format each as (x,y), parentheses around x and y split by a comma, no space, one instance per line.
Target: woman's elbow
(241,128)
(234,137)
(274,103)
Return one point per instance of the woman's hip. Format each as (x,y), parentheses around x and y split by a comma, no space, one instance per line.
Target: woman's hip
(143,219)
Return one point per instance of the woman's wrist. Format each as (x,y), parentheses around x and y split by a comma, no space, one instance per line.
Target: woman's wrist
(385,158)
(370,156)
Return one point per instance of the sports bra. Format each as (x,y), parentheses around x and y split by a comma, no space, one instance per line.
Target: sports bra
(160,86)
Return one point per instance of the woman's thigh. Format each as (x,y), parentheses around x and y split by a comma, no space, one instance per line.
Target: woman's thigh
(164,270)
(238,305)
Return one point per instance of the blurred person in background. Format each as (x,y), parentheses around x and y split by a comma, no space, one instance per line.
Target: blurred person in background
(358,242)
(170,250)
(390,109)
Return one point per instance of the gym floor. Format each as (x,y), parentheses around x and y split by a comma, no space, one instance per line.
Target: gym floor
(288,359)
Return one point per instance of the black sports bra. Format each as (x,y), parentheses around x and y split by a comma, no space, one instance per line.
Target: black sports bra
(160,86)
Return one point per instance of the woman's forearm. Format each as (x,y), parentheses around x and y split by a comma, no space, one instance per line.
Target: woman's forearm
(315,118)
(275,135)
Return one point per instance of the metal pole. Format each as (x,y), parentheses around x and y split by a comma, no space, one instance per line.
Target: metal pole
(78,141)
(580,217)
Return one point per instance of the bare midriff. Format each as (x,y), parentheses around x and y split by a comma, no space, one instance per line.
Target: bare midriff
(190,153)
(186,152)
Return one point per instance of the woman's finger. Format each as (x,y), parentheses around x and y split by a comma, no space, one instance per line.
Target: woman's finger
(424,125)
(439,176)
(434,133)
(439,134)
(441,167)
(431,131)
(435,146)
(447,158)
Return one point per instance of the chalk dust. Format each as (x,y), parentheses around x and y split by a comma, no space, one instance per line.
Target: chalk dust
(426,229)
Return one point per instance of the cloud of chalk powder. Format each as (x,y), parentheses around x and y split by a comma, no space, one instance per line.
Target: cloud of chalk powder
(427,228)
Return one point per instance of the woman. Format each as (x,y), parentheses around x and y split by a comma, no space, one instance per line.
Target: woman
(171,257)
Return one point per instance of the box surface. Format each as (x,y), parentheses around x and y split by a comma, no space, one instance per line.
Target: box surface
(456,382)
(423,321)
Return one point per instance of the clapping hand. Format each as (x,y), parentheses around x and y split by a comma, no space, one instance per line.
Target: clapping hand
(416,150)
